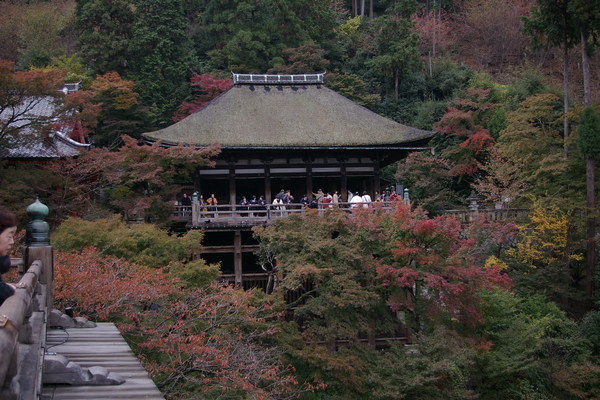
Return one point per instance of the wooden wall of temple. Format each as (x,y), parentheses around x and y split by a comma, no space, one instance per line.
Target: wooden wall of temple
(235,177)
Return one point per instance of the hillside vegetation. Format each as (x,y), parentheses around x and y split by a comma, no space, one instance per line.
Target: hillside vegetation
(492,310)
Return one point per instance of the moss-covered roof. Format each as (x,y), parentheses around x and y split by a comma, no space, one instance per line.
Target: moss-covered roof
(286,116)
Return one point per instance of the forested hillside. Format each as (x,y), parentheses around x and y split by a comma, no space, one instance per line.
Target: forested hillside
(494,310)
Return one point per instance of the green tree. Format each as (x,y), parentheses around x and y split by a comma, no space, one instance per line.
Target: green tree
(354,88)
(377,275)
(42,35)
(105,31)
(160,56)
(304,59)
(429,180)
(21,184)
(588,141)
(396,44)
(533,137)
(249,36)
(551,24)
(534,351)
(587,15)
(142,244)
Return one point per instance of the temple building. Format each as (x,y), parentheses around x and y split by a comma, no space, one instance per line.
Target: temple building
(36,135)
(284,132)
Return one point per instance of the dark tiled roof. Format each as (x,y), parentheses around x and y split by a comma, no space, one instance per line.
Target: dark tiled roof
(30,143)
(50,147)
(259,115)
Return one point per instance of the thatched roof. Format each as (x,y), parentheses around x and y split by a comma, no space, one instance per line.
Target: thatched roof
(268,115)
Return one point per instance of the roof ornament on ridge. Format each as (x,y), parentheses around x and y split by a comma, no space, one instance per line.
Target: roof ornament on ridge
(267,79)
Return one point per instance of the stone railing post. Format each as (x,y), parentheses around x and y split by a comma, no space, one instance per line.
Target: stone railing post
(38,247)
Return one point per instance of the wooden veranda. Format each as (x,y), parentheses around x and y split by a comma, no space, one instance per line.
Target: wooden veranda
(79,360)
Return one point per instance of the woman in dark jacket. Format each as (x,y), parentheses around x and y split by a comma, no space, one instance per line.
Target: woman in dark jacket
(8,228)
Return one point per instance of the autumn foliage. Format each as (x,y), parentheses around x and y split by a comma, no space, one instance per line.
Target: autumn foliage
(422,266)
(125,287)
(138,177)
(212,339)
(205,88)
(21,92)
(465,122)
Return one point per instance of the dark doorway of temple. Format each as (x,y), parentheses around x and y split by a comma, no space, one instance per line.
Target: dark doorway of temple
(249,187)
(329,184)
(296,185)
(220,188)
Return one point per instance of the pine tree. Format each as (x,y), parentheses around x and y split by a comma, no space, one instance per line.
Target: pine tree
(105,30)
(249,36)
(161,56)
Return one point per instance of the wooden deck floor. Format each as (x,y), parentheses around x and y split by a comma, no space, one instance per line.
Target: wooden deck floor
(101,346)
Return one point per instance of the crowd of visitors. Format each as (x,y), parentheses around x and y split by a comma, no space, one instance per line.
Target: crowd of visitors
(284,201)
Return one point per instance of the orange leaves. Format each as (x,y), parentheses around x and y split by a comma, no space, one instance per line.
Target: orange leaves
(81,277)
(222,340)
(214,338)
(119,91)
(29,83)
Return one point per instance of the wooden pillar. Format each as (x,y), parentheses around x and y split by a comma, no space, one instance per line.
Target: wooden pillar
(45,255)
(343,183)
(309,181)
(196,178)
(376,176)
(268,192)
(237,257)
(232,191)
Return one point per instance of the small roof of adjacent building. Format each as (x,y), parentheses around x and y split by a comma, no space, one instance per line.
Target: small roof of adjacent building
(30,143)
(55,145)
(278,111)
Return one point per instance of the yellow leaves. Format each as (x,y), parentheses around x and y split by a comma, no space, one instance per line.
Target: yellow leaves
(544,239)
(349,27)
(495,262)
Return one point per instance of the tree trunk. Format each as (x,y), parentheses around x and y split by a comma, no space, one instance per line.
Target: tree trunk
(590,251)
(362,7)
(585,66)
(591,224)
(435,29)
(566,121)
(371,8)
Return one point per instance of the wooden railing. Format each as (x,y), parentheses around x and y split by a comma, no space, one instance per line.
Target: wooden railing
(235,215)
(22,329)
(249,281)
(503,214)
(202,216)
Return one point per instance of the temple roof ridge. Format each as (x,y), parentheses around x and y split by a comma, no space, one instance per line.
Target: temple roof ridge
(278,79)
